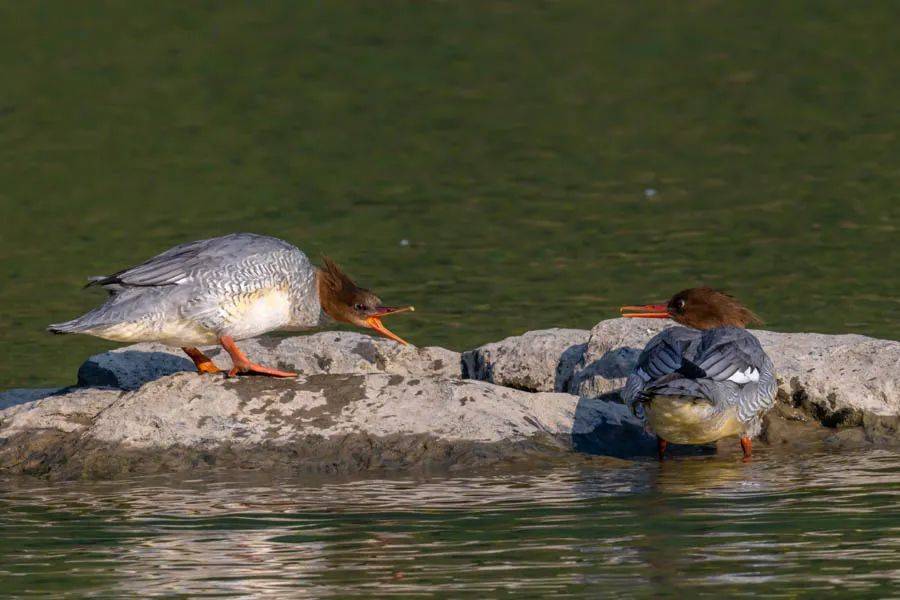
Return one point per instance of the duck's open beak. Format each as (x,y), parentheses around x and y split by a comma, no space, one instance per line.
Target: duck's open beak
(647,311)
(374,321)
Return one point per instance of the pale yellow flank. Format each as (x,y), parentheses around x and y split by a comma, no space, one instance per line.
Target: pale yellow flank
(686,420)
(245,315)
(174,331)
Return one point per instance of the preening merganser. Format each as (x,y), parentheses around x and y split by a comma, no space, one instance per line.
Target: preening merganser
(225,289)
(703,382)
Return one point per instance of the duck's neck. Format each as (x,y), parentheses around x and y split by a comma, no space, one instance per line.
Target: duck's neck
(325,297)
(307,311)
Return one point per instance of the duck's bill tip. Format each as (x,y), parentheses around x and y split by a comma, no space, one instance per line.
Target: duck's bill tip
(376,324)
(646,311)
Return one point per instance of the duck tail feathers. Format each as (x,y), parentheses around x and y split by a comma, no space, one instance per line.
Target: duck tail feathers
(79,325)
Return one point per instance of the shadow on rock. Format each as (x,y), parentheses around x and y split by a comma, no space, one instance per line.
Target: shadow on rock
(606,373)
(567,365)
(130,369)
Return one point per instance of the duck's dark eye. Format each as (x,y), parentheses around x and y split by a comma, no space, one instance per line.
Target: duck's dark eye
(360,307)
(679,304)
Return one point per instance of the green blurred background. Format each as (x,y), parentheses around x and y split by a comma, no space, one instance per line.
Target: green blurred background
(544,162)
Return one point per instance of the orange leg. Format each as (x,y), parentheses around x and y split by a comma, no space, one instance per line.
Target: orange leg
(661,448)
(747,447)
(203,362)
(242,364)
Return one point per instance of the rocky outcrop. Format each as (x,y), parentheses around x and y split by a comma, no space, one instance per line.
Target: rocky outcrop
(363,403)
(835,381)
(322,422)
(330,352)
(21,395)
(542,360)
(591,363)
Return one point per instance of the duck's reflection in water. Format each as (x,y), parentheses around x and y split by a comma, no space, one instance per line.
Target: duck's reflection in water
(722,524)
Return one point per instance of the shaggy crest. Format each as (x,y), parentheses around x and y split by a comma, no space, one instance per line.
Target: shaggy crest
(337,282)
(704,308)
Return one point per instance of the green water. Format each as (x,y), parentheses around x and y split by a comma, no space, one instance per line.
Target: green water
(821,526)
(545,162)
(511,144)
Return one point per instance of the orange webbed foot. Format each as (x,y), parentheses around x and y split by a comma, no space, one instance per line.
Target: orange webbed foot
(203,363)
(747,447)
(661,445)
(242,364)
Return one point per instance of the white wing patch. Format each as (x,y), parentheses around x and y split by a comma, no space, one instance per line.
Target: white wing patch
(742,377)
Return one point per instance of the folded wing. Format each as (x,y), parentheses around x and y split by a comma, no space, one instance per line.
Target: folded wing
(177,265)
(726,366)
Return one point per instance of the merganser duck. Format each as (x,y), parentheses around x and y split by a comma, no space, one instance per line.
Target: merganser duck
(708,380)
(226,289)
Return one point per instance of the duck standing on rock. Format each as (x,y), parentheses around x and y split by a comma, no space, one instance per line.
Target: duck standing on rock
(226,289)
(708,380)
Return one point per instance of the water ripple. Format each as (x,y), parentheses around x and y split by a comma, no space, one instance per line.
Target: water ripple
(700,526)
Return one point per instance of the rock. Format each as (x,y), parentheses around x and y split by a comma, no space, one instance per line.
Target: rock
(68,412)
(334,352)
(22,395)
(369,404)
(322,422)
(591,363)
(882,430)
(541,360)
(611,353)
(199,410)
(789,426)
(131,367)
(836,379)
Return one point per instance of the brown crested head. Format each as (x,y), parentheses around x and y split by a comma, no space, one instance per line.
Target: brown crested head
(344,301)
(700,308)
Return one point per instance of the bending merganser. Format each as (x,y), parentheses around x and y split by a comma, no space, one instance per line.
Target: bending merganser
(225,289)
(703,382)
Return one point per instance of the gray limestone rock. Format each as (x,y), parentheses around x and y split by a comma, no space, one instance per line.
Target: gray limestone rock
(130,367)
(541,360)
(363,403)
(322,422)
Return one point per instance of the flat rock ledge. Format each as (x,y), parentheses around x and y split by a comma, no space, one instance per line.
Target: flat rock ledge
(366,404)
(332,423)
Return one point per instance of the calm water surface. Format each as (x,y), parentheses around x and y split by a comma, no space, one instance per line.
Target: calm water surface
(813,526)
(546,162)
